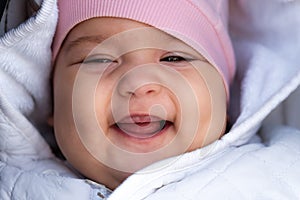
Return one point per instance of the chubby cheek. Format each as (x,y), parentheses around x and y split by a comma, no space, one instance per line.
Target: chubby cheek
(72,120)
(202,111)
(102,102)
(203,121)
(72,100)
(211,95)
(63,115)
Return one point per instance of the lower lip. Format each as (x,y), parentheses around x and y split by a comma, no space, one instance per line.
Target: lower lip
(159,133)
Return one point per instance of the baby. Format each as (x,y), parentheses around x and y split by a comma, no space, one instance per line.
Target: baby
(140,81)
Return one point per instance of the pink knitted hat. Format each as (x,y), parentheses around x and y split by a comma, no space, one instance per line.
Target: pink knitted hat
(202,24)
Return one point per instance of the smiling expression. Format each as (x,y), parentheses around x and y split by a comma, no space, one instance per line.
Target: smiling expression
(127,95)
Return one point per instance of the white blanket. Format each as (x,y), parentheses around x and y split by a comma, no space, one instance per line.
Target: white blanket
(243,164)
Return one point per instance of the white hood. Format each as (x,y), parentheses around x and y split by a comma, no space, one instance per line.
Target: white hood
(267,43)
(268,71)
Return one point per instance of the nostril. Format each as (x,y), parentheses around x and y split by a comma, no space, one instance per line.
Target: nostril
(150,92)
(148,89)
(144,90)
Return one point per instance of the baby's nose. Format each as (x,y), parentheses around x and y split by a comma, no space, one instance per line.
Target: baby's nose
(140,81)
(149,89)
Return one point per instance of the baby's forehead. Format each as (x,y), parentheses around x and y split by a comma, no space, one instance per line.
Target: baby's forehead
(99,29)
(122,34)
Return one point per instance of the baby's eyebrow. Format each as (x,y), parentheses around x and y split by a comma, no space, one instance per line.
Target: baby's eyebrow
(94,39)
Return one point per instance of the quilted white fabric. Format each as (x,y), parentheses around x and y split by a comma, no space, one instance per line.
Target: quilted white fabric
(256,159)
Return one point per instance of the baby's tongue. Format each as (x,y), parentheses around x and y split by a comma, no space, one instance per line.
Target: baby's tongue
(142,129)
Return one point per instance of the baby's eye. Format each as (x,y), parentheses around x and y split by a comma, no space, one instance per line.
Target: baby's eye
(98,60)
(173,59)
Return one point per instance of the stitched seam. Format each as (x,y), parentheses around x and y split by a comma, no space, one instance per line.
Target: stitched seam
(18,131)
(14,186)
(221,172)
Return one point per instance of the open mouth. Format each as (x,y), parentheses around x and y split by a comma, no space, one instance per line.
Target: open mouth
(142,127)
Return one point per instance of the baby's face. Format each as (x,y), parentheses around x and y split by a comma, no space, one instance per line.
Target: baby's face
(127,95)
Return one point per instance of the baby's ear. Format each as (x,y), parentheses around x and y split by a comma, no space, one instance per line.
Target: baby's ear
(50,121)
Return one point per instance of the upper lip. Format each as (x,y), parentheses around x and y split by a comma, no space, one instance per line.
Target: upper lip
(139,119)
(141,126)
